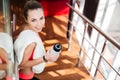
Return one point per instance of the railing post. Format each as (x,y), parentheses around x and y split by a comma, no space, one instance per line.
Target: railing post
(70,27)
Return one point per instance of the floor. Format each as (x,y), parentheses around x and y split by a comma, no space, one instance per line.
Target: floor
(65,67)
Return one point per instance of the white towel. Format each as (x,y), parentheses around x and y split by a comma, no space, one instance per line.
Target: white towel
(6,43)
(25,38)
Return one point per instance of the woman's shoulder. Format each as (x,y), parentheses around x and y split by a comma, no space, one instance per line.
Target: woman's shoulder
(26,35)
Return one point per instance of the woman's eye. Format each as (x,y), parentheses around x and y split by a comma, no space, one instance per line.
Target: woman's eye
(33,20)
(41,18)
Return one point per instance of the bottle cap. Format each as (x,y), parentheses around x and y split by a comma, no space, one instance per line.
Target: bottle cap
(57,47)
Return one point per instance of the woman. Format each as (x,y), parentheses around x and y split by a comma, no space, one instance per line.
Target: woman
(29,49)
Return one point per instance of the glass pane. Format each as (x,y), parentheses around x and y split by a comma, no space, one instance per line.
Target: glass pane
(99,76)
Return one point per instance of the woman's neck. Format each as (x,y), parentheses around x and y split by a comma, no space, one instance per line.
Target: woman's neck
(26,27)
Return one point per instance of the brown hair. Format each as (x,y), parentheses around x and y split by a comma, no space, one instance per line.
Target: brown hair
(31,5)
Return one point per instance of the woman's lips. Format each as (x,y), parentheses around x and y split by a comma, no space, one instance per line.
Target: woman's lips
(38,28)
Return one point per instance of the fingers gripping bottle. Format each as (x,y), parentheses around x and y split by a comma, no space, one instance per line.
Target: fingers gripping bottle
(55,49)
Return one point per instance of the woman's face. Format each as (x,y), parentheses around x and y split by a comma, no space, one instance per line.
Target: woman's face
(36,19)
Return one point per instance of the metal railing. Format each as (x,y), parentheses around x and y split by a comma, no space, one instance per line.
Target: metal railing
(100,52)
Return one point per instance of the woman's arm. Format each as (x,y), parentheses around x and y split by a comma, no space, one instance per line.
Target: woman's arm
(3,66)
(3,54)
(4,58)
(26,63)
